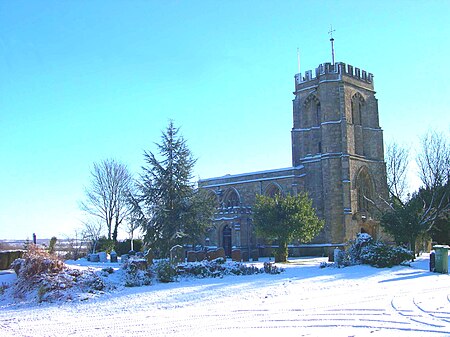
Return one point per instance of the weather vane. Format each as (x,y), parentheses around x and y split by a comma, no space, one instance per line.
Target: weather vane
(332,42)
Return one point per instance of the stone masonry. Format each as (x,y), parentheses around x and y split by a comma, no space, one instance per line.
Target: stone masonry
(337,157)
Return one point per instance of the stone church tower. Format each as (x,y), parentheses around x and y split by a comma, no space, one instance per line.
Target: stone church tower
(337,138)
(337,157)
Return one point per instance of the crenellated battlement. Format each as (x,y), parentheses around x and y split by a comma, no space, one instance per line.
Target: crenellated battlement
(338,69)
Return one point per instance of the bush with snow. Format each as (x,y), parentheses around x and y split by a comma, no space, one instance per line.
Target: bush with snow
(136,273)
(165,271)
(216,268)
(381,255)
(365,250)
(44,277)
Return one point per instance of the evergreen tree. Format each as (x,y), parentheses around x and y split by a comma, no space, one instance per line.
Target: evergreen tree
(167,208)
(285,219)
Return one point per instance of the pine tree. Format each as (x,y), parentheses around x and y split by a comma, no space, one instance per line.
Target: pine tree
(167,208)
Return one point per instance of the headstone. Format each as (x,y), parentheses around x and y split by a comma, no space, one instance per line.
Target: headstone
(255,255)
(236,255)
(102,257)
(177,254)
(140,264)
(124,258)
(149,257)
(220,252)
(113,256)
(94,258)
(211,255)
(200,255)
(245,257)
(337,256)
(191,256)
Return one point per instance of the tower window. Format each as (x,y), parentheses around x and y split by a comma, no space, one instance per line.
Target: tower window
(357,106)
(318,112)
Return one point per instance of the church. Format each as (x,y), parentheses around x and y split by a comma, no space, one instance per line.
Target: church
(337,158)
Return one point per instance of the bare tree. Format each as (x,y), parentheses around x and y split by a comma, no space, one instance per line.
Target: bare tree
(419,215)
(106,198)
(434,171)
(434,160)
(92,232)
(397,160)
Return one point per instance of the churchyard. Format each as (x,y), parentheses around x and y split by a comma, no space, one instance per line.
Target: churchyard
(303,300)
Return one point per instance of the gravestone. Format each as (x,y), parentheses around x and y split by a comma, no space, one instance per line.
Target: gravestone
(177,254)
(102,257)
(94,258)
(220,252)
(149,257)
(255,255)
(124,258)
(191,256)
(211,255)
(113,256)
(236,255)
(245,257)
(200,255)
(337,256)
(140,264)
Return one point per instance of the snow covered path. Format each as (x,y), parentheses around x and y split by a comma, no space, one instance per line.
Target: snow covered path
(303,301)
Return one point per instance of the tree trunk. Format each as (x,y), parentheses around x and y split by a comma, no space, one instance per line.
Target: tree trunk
(413,247)
(281,254)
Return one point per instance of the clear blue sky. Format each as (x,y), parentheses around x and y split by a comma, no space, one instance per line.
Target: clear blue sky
(82,81)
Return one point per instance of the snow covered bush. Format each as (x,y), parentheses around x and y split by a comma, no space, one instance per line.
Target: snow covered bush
(36,261)
(43,277)
(165,271)
(271,268)
(354,252)
(216,268)
(366,250)
(136,273)
(381,255)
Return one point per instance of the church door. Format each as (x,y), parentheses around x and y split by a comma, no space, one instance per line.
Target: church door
(226,240)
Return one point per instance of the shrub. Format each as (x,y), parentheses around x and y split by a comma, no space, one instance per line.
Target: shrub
(271,268)
(165,271)
(381,255)
(104,245)
(44,277)
(123,247)
(51,246)
(137,273)
(366,250)
(219,268)
(36,261)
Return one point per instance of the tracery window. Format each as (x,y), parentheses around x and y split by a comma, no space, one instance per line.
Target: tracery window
(272,190)
(231,199)
(312,111)
(364,190)
(357,108)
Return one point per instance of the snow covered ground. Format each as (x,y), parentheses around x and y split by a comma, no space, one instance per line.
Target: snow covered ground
(303,301)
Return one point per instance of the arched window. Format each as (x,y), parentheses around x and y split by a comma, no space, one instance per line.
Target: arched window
(364,190)
(318,114)
(357,108)
(311,111)
(231,198)
(272,190)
